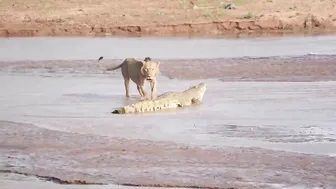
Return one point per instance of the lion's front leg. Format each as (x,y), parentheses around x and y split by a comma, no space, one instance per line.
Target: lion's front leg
(144,93)
(153,89)
(139,90)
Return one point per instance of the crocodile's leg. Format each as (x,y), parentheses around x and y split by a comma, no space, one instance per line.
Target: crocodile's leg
(195,101)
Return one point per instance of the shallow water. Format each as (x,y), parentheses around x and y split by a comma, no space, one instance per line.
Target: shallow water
(41,48)
(288,116)
(271,115)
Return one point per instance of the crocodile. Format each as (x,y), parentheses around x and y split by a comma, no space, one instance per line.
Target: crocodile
(167,100)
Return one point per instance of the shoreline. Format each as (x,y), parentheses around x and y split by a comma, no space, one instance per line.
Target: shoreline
(166,18)
(220,29)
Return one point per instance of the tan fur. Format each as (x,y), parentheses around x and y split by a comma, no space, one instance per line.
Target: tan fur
(139,72)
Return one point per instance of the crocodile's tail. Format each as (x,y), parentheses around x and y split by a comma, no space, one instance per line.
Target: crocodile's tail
(125,109)
(118,111)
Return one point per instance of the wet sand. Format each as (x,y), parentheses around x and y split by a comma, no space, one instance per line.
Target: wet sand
(102,160)
(291,69)
(264,123)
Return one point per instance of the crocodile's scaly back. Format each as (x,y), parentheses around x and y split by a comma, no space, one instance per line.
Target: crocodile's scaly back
(192,95)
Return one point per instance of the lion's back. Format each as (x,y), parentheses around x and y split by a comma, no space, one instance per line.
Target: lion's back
(131,68)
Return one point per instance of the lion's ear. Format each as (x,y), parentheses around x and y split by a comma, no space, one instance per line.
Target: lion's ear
(157,64)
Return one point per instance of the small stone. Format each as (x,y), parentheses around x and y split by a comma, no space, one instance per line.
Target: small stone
(229,6)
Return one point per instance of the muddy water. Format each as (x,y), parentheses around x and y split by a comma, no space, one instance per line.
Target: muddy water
(282,116)
(162,48)
(262,114)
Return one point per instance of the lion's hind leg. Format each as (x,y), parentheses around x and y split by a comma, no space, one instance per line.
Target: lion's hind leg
(126,83)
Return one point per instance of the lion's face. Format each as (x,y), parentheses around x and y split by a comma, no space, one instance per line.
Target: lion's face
(150,69)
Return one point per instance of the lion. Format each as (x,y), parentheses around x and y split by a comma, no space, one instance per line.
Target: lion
(139,72)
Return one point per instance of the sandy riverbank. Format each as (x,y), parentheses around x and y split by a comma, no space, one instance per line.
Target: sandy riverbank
(165,18)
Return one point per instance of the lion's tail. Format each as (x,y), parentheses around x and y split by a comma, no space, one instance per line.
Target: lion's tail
(109,69)
(100,58)
(114,68)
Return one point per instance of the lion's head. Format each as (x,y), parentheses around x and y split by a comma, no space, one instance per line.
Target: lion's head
(150,69)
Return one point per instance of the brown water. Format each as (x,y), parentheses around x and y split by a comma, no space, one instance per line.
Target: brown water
(244,134)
